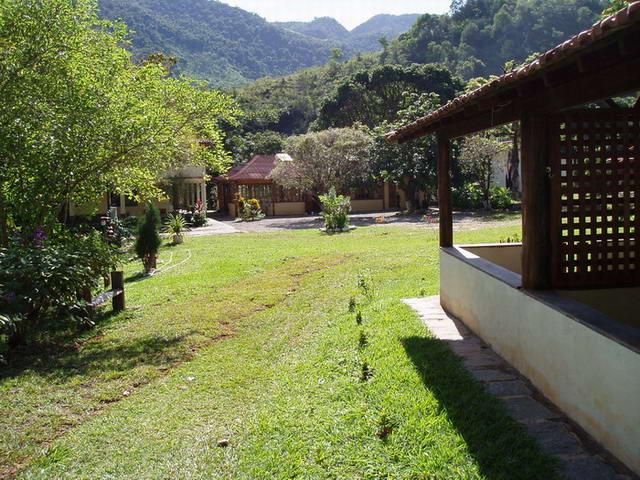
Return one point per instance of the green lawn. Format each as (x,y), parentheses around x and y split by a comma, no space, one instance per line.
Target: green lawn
(251,340)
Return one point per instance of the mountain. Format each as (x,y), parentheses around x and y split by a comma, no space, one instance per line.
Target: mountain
(225,45)
(323,28)
(363,38)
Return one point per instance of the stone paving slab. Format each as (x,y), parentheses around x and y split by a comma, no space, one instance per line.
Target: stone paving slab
(589,468)
(528,410)
(492,375)
(548,427)
(508,389)
(555,439)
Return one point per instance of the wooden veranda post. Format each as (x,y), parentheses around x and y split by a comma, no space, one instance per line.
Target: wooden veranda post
(536,199)
(444,192)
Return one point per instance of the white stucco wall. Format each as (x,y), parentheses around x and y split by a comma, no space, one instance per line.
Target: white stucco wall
(592,378)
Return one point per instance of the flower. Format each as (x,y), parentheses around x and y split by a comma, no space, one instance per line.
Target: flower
(39,237)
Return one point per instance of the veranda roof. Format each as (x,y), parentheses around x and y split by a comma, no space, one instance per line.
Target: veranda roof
(601,61)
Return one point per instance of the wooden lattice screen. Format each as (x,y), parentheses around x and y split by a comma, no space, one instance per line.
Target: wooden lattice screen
(595,180)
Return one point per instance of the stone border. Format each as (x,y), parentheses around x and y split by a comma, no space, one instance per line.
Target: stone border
(579,456)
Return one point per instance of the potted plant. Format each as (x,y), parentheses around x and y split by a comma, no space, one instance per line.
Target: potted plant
(176,225)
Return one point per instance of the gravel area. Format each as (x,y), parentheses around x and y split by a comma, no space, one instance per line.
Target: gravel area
(462,221)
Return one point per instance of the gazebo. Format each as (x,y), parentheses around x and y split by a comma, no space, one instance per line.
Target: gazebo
(563,306)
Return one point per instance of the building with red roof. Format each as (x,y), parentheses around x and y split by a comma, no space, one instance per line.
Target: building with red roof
(253,180)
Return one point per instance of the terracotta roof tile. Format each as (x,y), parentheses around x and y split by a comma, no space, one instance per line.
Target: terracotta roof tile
(258,168)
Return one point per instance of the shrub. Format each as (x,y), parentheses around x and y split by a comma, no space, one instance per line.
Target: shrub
(335,210)
(250,209)
(149,241)
(468,197)
(175,224)
(46,281)
(198,215)
(501,198)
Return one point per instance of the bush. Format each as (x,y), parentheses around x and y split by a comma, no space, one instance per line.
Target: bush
(469,197)
(501,198)
(149,241)
(335,210)
(46,281)
(250,209)
(198,215)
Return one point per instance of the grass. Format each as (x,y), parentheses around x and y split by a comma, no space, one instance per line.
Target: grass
(252,340)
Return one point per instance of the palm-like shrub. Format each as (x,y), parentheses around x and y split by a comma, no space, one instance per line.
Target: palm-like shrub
(149,241)
(176,225)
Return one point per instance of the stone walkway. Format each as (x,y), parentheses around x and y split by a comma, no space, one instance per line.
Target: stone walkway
(542,420)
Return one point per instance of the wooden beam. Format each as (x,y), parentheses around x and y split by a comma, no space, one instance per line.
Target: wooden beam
(536,243)
(444,192)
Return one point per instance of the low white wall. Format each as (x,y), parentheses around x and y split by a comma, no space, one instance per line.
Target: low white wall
(507,255)
(592,378)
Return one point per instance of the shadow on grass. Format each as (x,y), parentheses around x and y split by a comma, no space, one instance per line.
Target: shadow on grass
(95,357)
(496,441)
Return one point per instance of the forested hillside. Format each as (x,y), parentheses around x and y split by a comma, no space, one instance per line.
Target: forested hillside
(228,46)
(213,41)
(364,38)
(479,36)
(476,38)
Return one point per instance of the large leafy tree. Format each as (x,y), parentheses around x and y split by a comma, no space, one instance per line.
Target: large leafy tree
(338,157)
(411,165)
(372,96)
(79,118)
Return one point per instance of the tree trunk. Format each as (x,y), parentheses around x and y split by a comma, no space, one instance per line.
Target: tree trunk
(4,221)
(513,165)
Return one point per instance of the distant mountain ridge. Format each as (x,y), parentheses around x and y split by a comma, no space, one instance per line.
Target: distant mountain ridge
(228,46)
(363,38)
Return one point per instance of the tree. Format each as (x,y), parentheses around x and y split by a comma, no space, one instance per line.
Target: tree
(372,96)
(615,5)
(337,158)
(79,118)
(477,158)
(148,241)
(244,146)
(411,165)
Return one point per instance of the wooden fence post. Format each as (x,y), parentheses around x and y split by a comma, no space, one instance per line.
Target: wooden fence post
(117,283)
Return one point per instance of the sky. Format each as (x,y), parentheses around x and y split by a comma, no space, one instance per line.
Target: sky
(349,13)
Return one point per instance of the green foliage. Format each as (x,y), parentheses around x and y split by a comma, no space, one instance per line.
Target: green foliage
(246,145)
(501,198)
(467,197)
(373,96)
(43,283)
(216,42)
(98,122)
(338,157)
(411,165)
(472,197)
(198,215)
(614,6)
(148,241)
(335,210)
(478,157)
(175,224)
(479,36)
(250,210)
